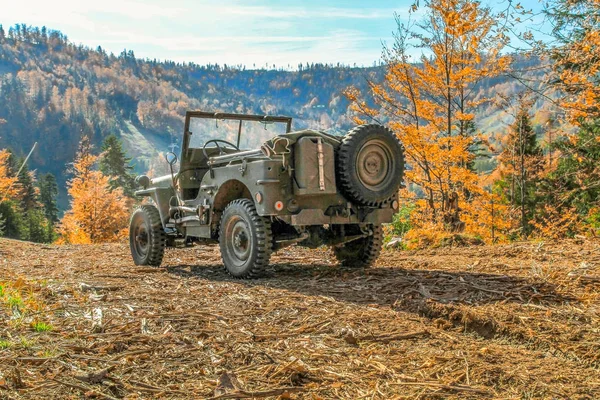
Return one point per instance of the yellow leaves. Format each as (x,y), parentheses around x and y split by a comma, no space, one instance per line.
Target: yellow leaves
(97,214)
(430,106)
(557,222)
(5,181)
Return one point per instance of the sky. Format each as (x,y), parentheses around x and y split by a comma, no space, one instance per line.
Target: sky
(255,33)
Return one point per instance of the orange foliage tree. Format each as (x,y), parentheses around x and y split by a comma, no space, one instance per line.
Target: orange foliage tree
(7,188)
(576,63)
(98,214)
(430,104)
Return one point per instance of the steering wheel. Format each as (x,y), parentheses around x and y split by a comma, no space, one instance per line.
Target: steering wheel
(216,142)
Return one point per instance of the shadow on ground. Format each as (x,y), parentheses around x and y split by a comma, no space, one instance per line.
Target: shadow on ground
(388,286)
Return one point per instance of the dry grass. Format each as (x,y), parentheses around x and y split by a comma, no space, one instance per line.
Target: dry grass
(515,321)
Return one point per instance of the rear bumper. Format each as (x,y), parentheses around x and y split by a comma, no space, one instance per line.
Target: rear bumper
(318,217)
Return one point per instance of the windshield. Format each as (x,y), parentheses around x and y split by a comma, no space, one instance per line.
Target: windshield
(253,133)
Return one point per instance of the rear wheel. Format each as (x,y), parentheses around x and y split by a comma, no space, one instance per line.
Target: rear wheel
(360,253)
(245,239)
(147,238)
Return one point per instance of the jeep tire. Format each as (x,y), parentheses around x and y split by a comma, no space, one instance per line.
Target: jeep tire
(245,239)
(370,165)
(360,253)
(147,238)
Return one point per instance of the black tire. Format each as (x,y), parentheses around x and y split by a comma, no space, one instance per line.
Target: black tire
(361,253)
(245,239)
(147,239)
(370,165)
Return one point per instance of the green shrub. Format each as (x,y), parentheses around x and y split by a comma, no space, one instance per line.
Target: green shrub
(401,222)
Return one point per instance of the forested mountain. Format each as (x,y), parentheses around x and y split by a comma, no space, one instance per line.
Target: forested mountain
(53,91)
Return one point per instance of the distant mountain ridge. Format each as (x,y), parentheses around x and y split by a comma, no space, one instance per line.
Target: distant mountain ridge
(53,91)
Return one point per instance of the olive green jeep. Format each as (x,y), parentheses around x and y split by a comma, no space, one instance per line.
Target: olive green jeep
(253,185)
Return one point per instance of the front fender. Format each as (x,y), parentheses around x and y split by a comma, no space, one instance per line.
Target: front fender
(161,197)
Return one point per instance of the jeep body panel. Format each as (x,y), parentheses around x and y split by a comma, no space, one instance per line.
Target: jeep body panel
(290,178)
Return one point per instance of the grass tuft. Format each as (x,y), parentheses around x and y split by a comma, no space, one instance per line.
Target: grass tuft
(41,327)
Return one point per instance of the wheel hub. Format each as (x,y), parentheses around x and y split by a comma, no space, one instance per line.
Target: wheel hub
(374,165)
(239,240)
(141,238)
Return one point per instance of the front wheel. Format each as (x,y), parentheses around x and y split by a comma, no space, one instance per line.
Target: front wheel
(360,253)
(245,239)
(147,238)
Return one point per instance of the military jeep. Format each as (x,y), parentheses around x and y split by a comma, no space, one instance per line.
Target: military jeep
(253,185)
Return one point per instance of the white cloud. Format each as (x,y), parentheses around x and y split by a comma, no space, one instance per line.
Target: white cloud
(208,32)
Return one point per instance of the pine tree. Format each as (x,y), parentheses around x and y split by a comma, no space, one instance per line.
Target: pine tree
(28,193)
(37,227)
(115,164)
(521,163)
(13,220)
(48,192)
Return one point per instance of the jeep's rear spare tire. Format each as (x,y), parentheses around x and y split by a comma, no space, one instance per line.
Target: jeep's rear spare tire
(370,165)
(147,238)
(245,239)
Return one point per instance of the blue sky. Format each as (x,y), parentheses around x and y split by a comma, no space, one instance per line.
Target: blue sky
(250,32)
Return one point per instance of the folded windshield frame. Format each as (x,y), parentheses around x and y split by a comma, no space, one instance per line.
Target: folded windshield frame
(266,119)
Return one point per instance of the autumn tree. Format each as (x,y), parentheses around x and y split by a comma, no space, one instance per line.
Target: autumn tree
(576,62)
(6,180)
(115,164)
(9,222)
(571,191)
(430,102)
(97,214)
(25,183)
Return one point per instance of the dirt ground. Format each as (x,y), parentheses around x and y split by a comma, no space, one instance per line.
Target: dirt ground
(513,321)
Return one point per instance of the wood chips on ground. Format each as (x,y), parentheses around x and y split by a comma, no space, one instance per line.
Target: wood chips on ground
(510,321)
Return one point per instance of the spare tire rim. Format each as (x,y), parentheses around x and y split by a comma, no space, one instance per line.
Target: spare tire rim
(374,166)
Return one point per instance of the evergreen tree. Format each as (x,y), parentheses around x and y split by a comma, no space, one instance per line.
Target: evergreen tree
(115,164)
(2,34)
(37,227)
(28,195)
(521,163)
(575,181)
(14,226)
(48,193)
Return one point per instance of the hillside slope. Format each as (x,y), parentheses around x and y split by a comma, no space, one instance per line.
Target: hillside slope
(516,321)
(53,91)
